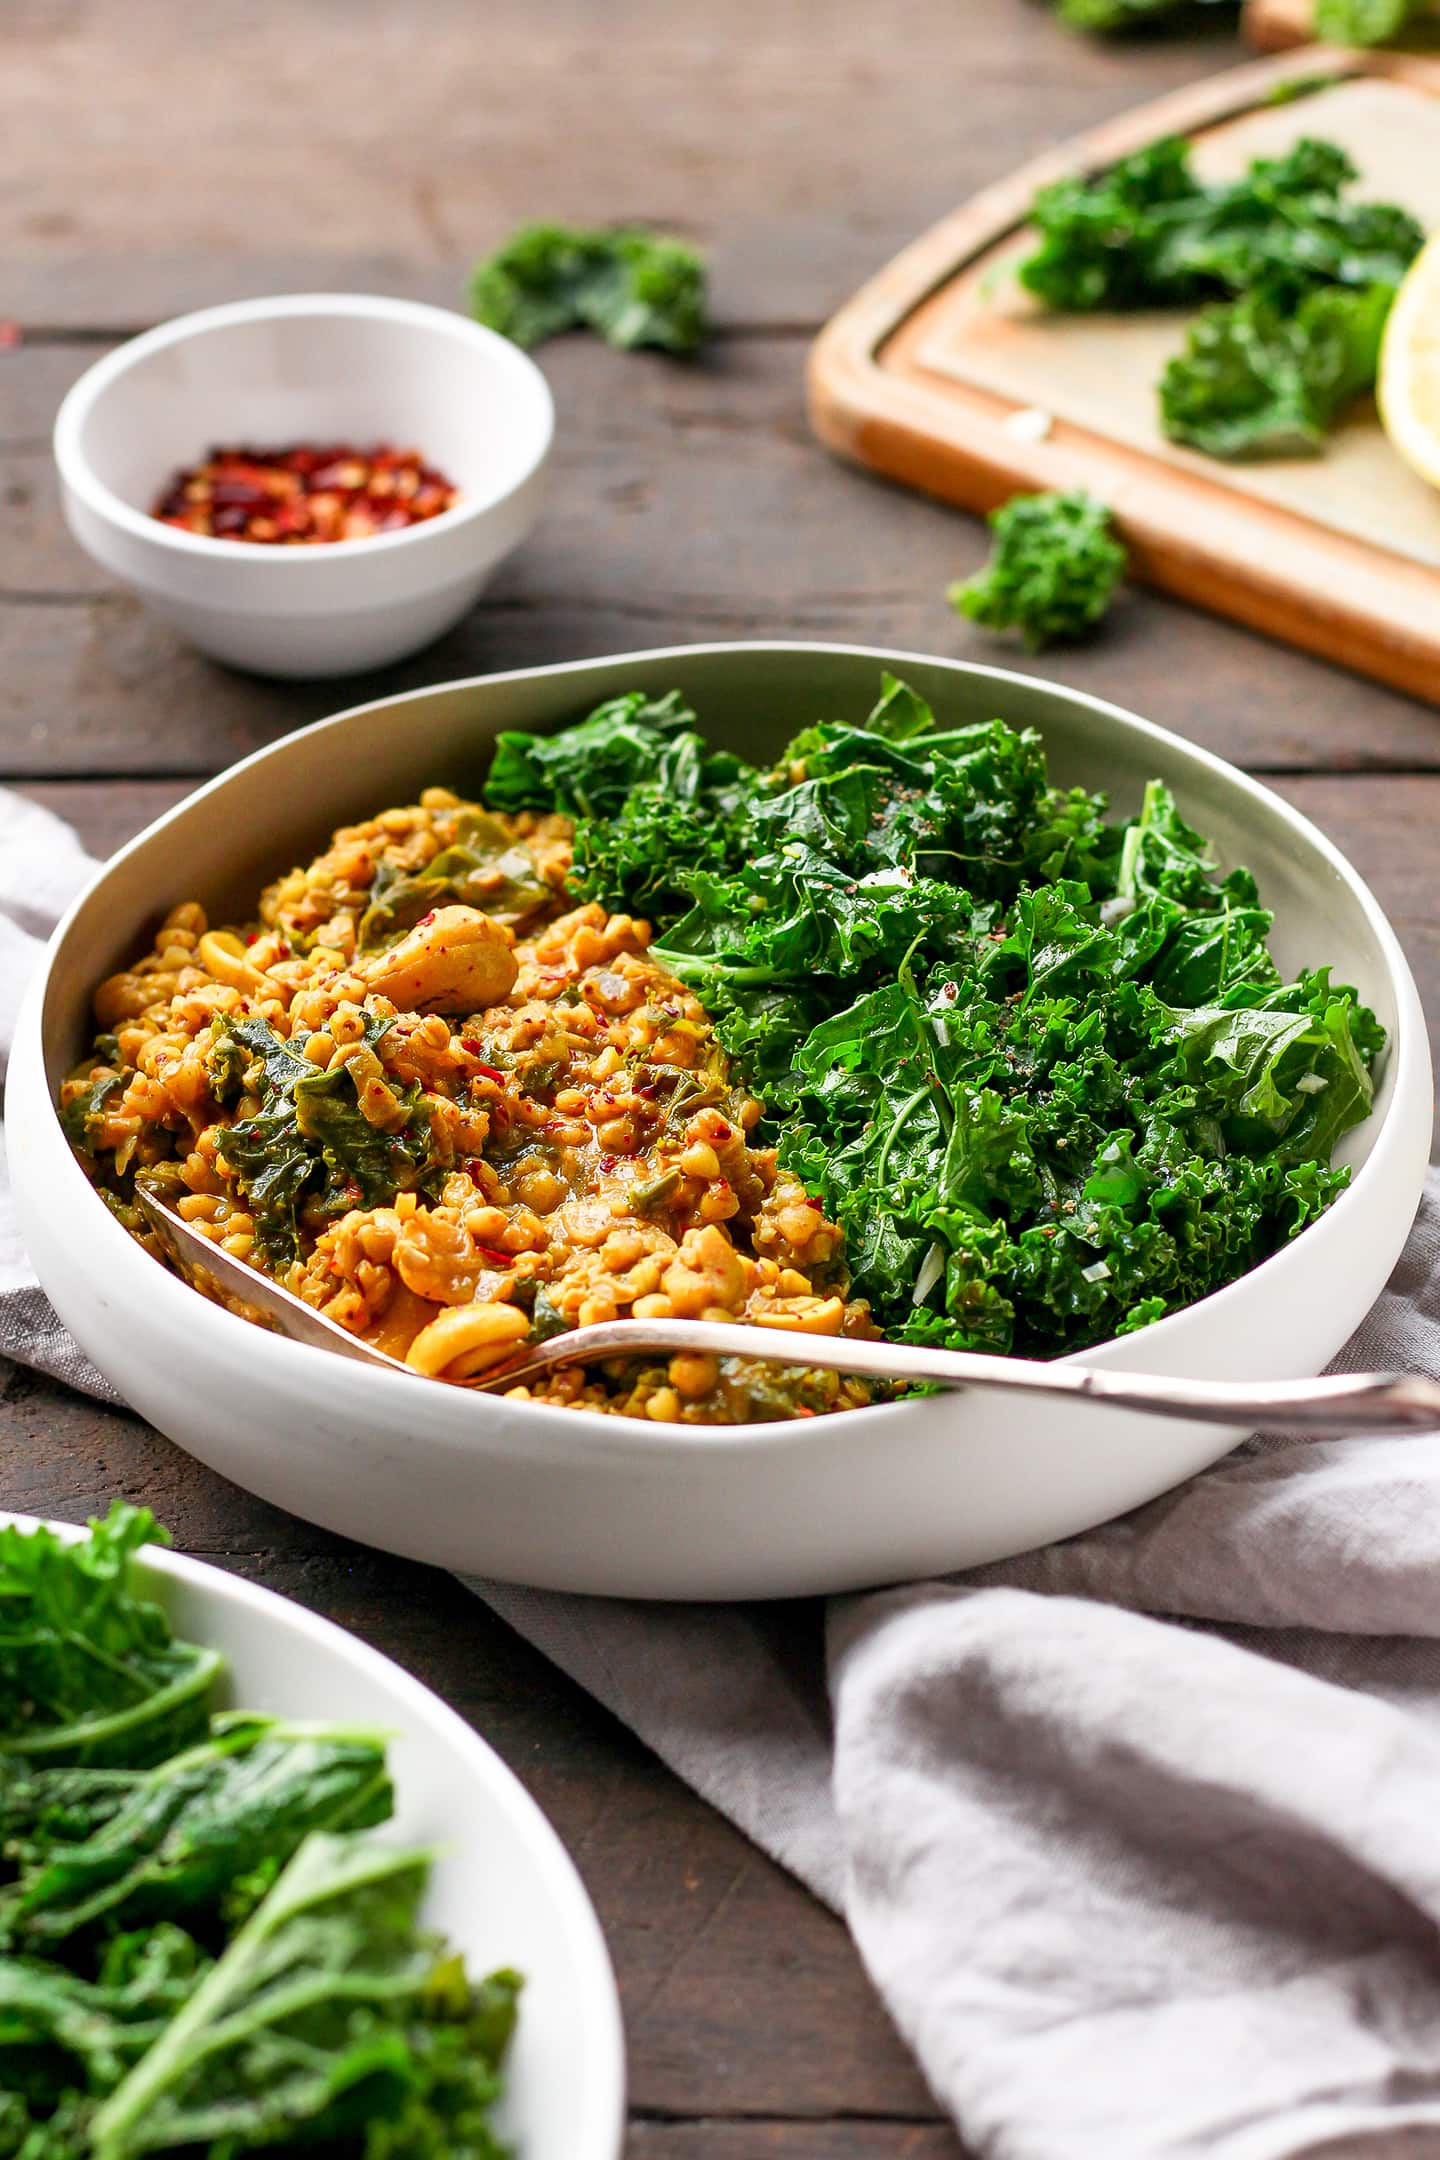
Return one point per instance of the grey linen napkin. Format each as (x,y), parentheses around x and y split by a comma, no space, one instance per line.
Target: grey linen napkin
(1138,1836)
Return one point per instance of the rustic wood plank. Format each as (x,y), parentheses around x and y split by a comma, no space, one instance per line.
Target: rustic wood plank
(381,148)
(758,2140)
(690,503)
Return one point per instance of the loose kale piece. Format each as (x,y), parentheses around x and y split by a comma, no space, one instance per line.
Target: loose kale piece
(1364,22)
(1253,381)
(329,2021)
(310,1142)
(171,1841)
(90,1670)
(1053,573)
(1040,1067)
(633,286)
(1149,233)
(1129,14)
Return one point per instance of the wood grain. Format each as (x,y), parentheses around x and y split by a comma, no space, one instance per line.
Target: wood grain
(355,145)
(921,374)
(689,503)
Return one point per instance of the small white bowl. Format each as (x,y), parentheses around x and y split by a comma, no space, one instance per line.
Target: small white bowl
(502,1888)
(321,368)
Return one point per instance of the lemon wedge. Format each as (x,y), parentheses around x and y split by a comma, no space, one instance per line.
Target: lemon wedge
(1408,388)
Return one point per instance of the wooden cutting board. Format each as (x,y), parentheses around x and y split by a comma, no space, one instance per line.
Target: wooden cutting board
(943,373)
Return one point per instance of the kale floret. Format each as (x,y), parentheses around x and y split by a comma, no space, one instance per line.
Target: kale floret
(1053,572)
(1308,274)
(1364,22)
(1148,232)
(633,286)
(1107,15)
(1254,381)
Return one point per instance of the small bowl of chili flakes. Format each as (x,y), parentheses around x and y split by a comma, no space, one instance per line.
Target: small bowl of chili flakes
(307,485)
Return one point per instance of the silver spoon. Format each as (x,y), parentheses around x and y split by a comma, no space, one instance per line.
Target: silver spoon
(1335,1403)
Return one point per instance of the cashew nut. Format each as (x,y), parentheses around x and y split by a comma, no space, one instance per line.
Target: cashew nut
(457,960)
(467,1338)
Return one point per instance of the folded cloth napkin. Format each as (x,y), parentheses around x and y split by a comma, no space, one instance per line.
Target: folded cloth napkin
(1137,1835)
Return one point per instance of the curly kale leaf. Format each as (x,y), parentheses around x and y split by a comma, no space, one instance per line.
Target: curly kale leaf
(1254,381)
(1149,233)
(1053,573)
(309,1143)
(169,1842)
(633,286)
(329,2021)
(65,2039)
(650,798)
(1364,22)
(588,770)
(90,1669)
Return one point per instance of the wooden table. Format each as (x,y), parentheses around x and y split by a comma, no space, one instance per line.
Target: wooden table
(162,156)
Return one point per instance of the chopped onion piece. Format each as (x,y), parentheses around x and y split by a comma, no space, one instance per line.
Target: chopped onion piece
(932,1267)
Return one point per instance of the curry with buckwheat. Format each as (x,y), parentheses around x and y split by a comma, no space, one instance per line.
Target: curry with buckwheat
(893,1036)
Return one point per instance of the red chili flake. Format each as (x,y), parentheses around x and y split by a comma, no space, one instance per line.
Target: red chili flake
(647,1091)
(487,1072)
(471,1166)
(494,1258)
(426,920)
(302,495)
(608,1162)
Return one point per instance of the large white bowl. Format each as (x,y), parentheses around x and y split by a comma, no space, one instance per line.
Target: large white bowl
(317,368)
(583,1502)
(503,1887)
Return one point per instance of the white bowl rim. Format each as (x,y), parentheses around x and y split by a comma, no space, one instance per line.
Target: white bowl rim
(595,1975)
(75,408)
(1409,1050)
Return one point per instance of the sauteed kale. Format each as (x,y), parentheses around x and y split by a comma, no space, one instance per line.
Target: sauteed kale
(198,1951)
(1038,1064)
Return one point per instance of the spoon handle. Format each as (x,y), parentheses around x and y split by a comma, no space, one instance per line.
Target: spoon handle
(1334,1403)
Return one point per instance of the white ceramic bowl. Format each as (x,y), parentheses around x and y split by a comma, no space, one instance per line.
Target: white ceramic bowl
(503,1887)
(583,1502)
(321,368)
